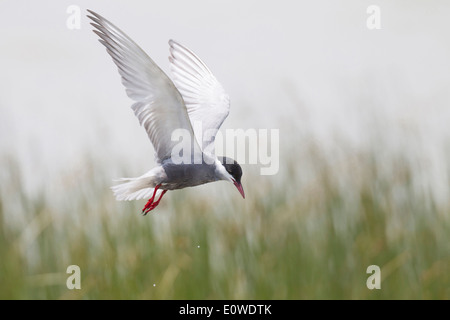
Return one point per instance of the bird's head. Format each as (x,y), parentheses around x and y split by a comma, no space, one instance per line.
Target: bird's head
(232,173)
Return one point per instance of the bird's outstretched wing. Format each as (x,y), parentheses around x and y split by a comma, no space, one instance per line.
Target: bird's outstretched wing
(158,104)
(206,101)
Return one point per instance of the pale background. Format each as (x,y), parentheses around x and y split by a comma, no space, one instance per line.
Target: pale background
(309,65)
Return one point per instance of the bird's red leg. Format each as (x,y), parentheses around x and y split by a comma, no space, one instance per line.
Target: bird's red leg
(154,204)
(150,201)
(151,204)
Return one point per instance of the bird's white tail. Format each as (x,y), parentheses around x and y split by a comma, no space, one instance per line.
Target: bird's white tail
(135,188)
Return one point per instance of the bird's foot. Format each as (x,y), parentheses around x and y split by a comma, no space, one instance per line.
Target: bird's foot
(148,207)
(151,204)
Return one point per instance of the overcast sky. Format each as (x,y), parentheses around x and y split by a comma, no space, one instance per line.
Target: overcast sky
(283,63)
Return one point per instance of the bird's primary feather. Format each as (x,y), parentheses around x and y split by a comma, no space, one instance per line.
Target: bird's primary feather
(206,101)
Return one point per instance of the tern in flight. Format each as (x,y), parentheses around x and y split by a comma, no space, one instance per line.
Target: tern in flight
(163,106)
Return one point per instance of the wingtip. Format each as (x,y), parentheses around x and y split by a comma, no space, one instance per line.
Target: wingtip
(95,14)
(91,14)
(173,43)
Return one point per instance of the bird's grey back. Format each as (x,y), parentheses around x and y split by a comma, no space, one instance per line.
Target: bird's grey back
(187,175)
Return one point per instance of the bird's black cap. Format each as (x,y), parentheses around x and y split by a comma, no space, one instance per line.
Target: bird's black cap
(232,167)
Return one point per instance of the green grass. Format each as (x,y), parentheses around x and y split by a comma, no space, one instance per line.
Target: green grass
(303,234)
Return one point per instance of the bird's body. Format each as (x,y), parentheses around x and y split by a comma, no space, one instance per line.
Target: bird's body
(163,106)
(180,176)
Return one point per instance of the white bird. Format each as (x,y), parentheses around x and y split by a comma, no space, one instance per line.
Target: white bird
(163,106)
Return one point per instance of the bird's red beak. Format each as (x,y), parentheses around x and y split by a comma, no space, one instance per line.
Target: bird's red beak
(239,187)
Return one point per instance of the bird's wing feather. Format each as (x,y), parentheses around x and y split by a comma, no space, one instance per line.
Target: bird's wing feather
(206,101)
(158,104)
